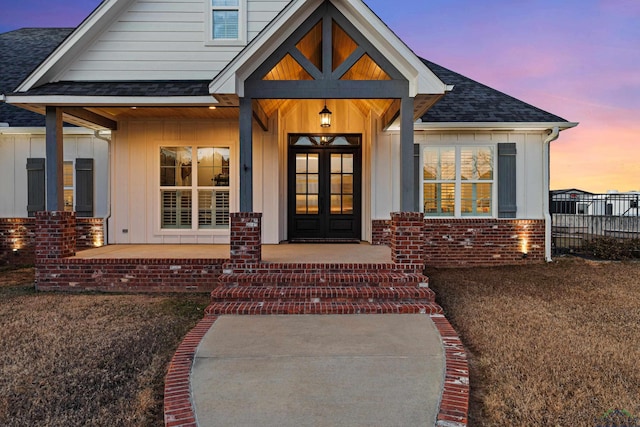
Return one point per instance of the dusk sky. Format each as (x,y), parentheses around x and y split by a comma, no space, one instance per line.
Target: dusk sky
(579,59)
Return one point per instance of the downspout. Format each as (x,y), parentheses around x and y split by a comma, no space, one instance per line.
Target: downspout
(105,220)
(546,156)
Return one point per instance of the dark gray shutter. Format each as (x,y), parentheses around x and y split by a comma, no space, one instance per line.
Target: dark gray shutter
(35,186)
(417,178)
(507,180)
(84,187)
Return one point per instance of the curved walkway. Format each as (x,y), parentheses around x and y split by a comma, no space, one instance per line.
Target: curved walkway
(319,370)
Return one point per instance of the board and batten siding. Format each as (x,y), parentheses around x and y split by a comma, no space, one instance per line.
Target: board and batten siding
(136,188)
(163,40)
(15,149)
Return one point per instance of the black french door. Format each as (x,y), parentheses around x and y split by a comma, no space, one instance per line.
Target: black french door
(324,188)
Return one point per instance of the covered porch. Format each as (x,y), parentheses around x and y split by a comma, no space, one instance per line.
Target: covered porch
(351,253)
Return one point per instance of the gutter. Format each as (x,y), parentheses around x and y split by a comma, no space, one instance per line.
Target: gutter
(107,217)
(546,163)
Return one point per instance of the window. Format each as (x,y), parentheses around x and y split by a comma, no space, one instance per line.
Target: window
(458,181)
(227,20)
(194,197)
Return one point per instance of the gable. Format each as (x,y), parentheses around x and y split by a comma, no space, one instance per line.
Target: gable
(148,40)
(381,39)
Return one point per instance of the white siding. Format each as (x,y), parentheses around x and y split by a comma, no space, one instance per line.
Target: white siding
(163,40)
(136,188)
(15,149)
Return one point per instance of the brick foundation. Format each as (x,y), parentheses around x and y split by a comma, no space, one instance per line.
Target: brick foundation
(483,242)
(20,234)
(128,275)
(245,239)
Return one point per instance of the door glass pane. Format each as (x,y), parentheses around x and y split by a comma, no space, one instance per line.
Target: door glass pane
(312,204)
(301,163)
(336,163)
(313,163)
(301,204)
(347,184)
(336,204)
(301,183)
(336,183)
(347,163)
(312,187)
(347,204)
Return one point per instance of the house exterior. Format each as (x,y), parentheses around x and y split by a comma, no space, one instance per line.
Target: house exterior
(214,109)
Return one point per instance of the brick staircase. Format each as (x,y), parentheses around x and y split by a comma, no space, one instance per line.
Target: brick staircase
(289,288)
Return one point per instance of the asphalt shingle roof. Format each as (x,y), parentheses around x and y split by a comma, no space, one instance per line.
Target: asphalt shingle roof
(21,51)
(473,102)
(123,88)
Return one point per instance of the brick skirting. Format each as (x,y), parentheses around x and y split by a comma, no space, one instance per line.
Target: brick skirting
(20,234)
(483,242)
(128,275)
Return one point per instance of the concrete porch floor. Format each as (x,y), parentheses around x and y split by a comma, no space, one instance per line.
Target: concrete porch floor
(362,253)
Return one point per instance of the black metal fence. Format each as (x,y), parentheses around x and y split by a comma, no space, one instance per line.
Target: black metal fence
(579,218)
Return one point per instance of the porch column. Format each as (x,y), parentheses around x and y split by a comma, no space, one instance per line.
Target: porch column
(55,235)
(54,160)
(407,240)
(407,202)
(245,244)
(246,155)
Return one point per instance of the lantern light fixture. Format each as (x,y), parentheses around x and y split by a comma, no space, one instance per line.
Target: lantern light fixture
(325,116)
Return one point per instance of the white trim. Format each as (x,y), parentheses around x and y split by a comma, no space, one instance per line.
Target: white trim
(138,101)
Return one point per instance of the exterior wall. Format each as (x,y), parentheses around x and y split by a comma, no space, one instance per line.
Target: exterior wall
(164,40)
(135,180)
(16,148)
(20,234)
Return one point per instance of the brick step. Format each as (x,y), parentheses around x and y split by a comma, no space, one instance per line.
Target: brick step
(325,279)
(322,294)
(254,308)
(317,268)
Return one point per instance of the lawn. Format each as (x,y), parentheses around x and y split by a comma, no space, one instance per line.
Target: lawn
(86,359)
(548,345)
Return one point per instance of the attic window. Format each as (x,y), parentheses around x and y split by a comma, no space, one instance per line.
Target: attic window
(226,19)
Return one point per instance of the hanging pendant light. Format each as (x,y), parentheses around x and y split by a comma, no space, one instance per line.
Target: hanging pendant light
(325,116)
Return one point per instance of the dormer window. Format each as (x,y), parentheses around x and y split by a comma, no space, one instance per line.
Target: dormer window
(227,21)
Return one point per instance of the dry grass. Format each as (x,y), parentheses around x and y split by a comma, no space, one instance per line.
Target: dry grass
(549,345)
(86,359)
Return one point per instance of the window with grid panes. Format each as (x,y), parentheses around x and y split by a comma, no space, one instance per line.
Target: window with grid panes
(458,181)
(194,197)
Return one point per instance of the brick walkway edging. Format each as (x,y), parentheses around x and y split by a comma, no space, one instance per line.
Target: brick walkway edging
(454,404)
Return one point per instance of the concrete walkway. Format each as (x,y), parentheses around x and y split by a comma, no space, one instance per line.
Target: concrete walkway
(319,370)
